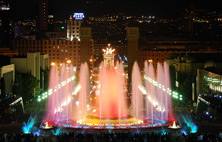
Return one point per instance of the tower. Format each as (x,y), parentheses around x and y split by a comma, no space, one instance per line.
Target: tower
(73,26)
(43,16)
(132,35)
(5,30)
(85,45)
(108,56)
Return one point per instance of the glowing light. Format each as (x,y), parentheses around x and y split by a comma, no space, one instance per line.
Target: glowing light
(150,61)
(50,91)
(68,61)
(78,16)
(53,63)
(108,50)
(77,103)
(76,90)
(162,87)
(142,89)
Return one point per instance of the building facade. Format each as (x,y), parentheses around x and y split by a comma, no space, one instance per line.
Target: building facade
(59,51)
(8,73)
(208,83)
(31,64)
(73,26)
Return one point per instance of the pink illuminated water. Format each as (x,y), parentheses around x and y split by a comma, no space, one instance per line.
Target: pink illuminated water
(149,96)
(112,97)
(158,103)
(60,99)
(137,96)
(84,91)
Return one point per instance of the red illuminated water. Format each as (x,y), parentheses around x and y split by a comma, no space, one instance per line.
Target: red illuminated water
(112,97)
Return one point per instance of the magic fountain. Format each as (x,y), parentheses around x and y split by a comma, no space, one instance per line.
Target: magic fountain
(107,104)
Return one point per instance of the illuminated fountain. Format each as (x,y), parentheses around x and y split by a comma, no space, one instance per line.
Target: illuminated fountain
(69,103)
(46,126)
(174,126)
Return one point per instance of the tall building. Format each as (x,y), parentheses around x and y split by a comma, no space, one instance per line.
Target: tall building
(43,16)
(50,15)
(5,31)
(86,47)
(73,26)
(132,35)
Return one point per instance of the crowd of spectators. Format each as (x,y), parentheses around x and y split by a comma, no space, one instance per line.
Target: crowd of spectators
(112,137)
(209,108)
(10,118)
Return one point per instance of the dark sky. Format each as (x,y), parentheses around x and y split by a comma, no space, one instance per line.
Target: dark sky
(63,8)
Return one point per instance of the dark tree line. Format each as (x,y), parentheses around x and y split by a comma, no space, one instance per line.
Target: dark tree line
(24,85)
(44,74)
(185,81)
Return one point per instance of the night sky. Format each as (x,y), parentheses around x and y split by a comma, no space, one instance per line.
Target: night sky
(63,8)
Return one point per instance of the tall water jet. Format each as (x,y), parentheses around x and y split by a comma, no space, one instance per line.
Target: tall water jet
(84,91)
(121,92)
(137,96)
(71,89)
(169,112)
(160,94)
(158,89)
(59,94)
(53,95)
(149,89)
(152,89)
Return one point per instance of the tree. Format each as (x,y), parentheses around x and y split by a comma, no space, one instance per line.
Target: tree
(186,88)
(24,85)
(172,77)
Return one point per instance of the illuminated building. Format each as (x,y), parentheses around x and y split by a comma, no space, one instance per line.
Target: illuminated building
(73,26)
(208,83)
(31,64)
(59,51)
(8,52)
